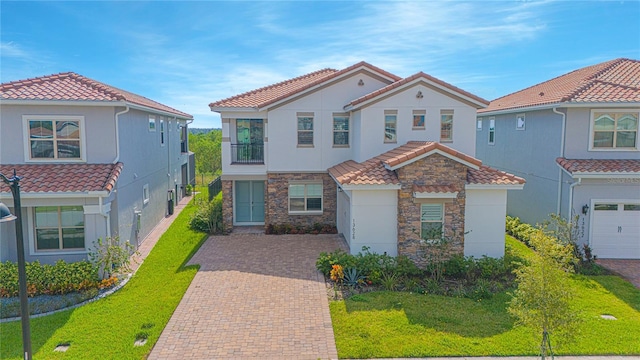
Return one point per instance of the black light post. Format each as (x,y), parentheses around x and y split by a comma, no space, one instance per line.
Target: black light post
(14,184)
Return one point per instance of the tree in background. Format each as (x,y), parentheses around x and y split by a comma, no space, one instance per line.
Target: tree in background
(543,297)
(207,147)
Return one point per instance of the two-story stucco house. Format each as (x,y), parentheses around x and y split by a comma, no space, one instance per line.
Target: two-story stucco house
(96,162)
(575,139)
(385,159)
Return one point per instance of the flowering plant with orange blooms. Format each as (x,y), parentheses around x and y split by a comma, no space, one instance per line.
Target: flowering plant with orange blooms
(337,273)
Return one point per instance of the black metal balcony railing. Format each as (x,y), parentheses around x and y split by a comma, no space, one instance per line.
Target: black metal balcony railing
(183,147)
(247,153)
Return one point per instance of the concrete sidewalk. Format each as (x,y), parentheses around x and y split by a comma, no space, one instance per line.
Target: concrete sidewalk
(150,241)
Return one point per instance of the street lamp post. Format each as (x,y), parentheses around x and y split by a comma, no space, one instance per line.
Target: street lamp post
(14,184)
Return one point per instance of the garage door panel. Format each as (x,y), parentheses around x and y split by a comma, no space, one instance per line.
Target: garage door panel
(616,233)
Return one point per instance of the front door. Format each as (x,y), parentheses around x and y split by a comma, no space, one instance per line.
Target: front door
(249,203)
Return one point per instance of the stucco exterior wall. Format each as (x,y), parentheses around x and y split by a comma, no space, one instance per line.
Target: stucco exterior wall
(373,221)
(531,154)
(371,136)
(579,136)
(485,212)
(99,131)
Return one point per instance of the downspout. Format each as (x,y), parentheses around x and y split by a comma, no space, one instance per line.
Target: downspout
(555,110)
(117,118)
(571,195)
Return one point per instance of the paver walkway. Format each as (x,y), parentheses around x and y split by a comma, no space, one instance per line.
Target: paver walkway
(254,297)
(628,269)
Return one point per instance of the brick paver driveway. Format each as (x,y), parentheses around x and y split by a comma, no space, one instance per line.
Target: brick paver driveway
(628,269)
(255,296)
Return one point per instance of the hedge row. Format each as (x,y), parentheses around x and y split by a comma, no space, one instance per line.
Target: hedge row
(44,279)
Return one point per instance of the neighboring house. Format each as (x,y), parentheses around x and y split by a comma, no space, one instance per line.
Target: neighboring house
(96,162)
(384,159)
(575,139)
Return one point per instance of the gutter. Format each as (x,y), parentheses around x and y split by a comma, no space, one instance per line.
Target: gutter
(558,205)
(117,118)
(559,104)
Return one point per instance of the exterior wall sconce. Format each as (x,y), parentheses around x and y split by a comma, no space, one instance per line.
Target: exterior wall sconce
(360,82)
(585,209)
(419,95)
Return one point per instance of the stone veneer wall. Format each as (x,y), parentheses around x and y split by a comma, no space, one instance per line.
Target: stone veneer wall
(432,170)
(277,199)
(227,205)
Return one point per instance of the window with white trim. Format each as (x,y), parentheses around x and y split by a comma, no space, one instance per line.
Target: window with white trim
(341,130)
(614,130)
(418,119)
(305,129)
(305,198)
(59,228)
(520,122)
(161,131)
(390,124)
(152,123)
(431,221)
(145,194)
(446,125)
(54,137)
(492,131)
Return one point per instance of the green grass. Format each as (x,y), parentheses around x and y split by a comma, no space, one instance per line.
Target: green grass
(107,328)
(398,324)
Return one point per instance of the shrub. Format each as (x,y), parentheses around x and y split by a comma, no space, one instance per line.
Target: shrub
(109,256)
(316,228)
(208,217)
(61,278)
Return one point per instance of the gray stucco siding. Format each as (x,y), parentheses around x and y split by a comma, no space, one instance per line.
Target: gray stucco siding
(99,130)
(579,135)
(528,153)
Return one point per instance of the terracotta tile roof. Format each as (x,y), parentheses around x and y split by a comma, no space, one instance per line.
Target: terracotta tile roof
(73,87)
(612,81)
(486,175)
(270,94)
(374,172)
(575,166)
(414,149)
(411,78)
(51,178)
(434,189)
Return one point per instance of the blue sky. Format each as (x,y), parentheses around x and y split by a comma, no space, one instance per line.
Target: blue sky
(188,54)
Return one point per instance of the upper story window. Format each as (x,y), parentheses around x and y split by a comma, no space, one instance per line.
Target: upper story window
(305,129)
(152,123)
(418,119)
(520,121)
(305,198)
(341,130)
(446,125)
(614,130)
(492,131)
(59,228)
(479,124)
(54,137)
(390,126)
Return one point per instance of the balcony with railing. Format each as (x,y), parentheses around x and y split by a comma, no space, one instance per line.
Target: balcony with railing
(247,153)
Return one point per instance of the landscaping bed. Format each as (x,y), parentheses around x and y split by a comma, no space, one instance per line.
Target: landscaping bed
(370,322)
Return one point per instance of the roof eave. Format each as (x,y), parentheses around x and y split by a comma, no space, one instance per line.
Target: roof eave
(220,109)
(494,186)
(57,195)
(371,187)
(556,105)
(478,104)
(605,175)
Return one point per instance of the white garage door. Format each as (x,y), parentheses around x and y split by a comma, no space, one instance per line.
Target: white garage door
(616,230)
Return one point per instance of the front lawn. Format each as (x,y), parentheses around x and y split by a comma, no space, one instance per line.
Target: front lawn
(108,328)
(403,324)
